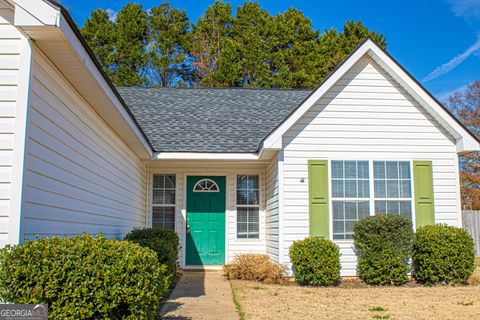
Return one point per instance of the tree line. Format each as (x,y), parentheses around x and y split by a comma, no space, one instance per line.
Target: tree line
(161,47)
(465,105)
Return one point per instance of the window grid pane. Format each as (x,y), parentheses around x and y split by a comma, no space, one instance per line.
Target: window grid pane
(392,183)
(163,201)
(248,206)
(350,179)
(345,215)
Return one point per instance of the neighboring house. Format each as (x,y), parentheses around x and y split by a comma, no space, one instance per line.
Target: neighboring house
(230,170)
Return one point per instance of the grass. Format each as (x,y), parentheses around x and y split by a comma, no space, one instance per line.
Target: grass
(238,306)
(354,300)
(377,309)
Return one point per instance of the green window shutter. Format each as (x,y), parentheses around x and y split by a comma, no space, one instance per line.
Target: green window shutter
(318,198)
(423,182)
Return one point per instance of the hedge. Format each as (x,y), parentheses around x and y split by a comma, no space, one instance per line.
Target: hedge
(383,245)
(315,262)
(442,254)
(83,277)
(164,242)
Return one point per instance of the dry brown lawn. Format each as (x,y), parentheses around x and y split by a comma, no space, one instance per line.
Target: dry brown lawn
(260,301)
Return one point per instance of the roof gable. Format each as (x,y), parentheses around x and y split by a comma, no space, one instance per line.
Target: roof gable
(465,141)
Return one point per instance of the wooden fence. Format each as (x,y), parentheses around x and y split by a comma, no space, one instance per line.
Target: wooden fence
(471,223)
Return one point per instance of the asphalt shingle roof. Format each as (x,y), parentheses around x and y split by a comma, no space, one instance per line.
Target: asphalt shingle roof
(210,120)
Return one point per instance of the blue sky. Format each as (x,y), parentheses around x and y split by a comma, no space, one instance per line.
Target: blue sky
(437,41)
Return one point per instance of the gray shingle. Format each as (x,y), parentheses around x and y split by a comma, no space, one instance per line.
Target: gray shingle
(210,120)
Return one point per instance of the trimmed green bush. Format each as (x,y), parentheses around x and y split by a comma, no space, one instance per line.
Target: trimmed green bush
(315,262)
(442,254)
(164,242)
(383,245)
(83,277)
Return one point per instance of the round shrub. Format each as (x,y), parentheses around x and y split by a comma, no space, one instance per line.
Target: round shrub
(315,262)
(255,267)
(383,244)
(164,242)
(83,278)
(442,254)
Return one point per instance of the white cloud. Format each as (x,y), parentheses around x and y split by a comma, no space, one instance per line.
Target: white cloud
(453,63)
(112,14)
(466,8)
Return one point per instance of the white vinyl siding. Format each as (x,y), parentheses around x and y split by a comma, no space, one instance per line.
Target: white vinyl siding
(12,110)
(365,116)
(79,175)
(230,170)
(271,209)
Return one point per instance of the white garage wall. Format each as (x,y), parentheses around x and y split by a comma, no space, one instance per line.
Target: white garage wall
(79,175)
(366,115)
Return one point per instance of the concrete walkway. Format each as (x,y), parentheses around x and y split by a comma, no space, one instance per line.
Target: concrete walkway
(201,295)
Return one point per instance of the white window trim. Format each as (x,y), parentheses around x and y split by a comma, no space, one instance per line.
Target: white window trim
(249,206)
(372,194)
(174,206)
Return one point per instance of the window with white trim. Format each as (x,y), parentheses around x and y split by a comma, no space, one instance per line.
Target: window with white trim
(248,206)
(350,196)
(163,201)
(392,185)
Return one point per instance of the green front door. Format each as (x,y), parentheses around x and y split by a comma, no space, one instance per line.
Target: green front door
(205,220)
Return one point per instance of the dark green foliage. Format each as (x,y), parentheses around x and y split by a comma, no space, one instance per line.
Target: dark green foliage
(83,278)
(315,262)
(383,244)
(169,43)
(442,254)
(99,32)
(164,242)
(251,49)
(130,56)
(211,43)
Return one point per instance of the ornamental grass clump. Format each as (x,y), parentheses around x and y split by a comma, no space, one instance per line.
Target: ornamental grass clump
(255,267)
(383,245)
(83,277)
(315,262)
(442,255)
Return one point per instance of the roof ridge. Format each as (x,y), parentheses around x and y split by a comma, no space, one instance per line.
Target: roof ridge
(228,88)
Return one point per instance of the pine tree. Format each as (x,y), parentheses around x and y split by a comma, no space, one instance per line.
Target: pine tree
(130,56)
(99,33)
(209,38)
(169,42)
(293,51)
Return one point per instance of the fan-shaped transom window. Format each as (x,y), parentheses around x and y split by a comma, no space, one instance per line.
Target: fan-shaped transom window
(206,185)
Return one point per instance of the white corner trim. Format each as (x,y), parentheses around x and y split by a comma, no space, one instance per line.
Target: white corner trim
(21,120)
(281,218)
(465,142)
(204,156)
